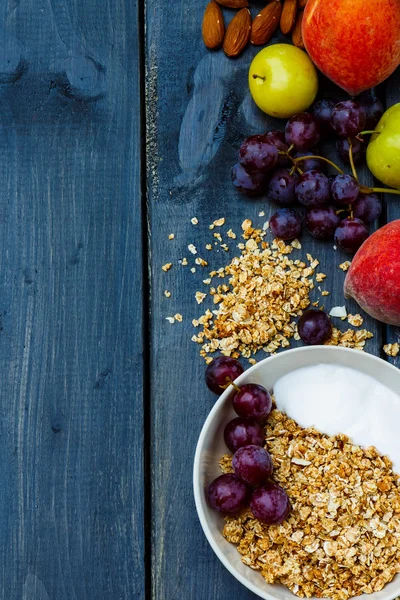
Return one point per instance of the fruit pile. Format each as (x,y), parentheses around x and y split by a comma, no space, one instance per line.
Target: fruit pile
(289,169)
(252,464)
(242,30)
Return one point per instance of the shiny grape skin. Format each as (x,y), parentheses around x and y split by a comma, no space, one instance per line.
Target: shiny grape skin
(252,402)
(228,494)
(314,327)
(373,108)
(241,432)
(257,153)
(348,119)
(252,184)
(285,224)
(270,504)
(281,187)
(252,464)
(279,140)
(321,222)
(322,111)
(220,371)
(359,150)
(311,163)
(344,189)
(303,131)
(367,207)
(312,189)
(350,234)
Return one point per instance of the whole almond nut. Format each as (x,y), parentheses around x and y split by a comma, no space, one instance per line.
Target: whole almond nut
(265,23)
(213,27)
(288,16)
(297,36)
(238,33)
(302,3)
(233,3)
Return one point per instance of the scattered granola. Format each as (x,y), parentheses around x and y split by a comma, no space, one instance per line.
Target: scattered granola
(355,320)
(171,236)
(230,234)
(167,293)
(184,262)
(193,270)
(170,319)
(200,297)
(192,249)
(342,538)
(178,317)
(166,267)
(320,277)
(194,221)
(219,222)
(209,247)
(345,265)
(201,262)
(350,338)
(391,349)
(325,293)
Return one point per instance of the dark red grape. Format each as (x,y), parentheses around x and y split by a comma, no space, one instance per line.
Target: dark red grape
(279,140)
(359,150)
(252,184)
(221,371)
(321,222)
(252,402)
(350,234)
(314,327)
(373,108)
(311,164)
(270,504)
(252,464)
(239,433)
(285,224)
(281,186)
(312,189)
(344,189)
(348,118)
(367,207)
(228,494)
(302,130)
(322,111)
(257,153)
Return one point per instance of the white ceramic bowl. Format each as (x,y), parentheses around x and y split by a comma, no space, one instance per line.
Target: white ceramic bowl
(211,447)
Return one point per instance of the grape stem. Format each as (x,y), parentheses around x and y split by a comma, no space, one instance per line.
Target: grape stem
(353,168)
(300,158)
(230,382)
(369,190)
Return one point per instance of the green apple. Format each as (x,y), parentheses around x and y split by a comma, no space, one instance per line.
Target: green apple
(283,81)
(383,152)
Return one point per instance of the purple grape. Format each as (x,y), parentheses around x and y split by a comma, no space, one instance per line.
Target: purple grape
(239,433)
(270,504)
(279,140)
(344,189)
(312,189)
(373,108)
(314,327)
(350,234)
(252,402)
(322,222)
(281,187)
(311,164)
(302,130)
(322,111)
(252,184)
(285,224)
(228,495)
(359,150)
(252,464)
(257,153)
(348,119)
(221,371)
(367,207)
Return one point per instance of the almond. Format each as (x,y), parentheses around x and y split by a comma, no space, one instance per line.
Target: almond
(233,3)
(265,23)
(297,36)
(288,16)
(213,27)
(302,3)
(238,33)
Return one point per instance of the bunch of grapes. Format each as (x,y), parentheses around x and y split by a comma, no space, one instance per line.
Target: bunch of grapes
(288,167)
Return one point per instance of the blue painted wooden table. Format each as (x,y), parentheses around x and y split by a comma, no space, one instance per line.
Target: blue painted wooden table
(117,128)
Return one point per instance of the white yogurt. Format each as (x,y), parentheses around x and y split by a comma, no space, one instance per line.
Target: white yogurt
(336,399)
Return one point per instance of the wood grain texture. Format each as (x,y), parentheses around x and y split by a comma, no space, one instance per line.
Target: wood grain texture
(198,112)
(71,340)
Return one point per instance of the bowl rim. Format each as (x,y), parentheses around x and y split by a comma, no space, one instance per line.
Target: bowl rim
(197,488)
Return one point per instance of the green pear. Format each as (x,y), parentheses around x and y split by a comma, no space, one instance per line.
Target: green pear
(383,152)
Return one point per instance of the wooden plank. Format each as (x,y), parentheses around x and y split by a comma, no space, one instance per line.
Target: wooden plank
(71,346)
(198,111)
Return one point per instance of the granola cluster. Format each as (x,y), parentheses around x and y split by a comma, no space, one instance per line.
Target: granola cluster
(342,538)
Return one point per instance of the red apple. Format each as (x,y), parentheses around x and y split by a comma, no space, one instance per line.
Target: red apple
(373,279)
(356,43)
